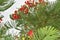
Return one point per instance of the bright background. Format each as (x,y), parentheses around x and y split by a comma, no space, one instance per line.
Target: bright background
(10,10)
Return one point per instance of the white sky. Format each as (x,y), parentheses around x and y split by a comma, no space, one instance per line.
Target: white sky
(9,11)
(16,5)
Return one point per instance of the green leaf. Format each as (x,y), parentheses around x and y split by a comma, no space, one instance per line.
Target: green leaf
(46,33)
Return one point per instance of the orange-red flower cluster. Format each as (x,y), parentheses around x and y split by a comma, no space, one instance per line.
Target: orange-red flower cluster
(41,1)
(30,3)
(24,9)
(0,20)
(30,33)
(15,16)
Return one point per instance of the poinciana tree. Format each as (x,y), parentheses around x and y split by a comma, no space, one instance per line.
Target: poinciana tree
(31,17)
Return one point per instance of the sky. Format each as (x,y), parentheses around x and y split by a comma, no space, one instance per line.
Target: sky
(14,7)
(10,10)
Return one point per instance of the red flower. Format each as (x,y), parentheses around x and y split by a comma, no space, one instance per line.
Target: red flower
(27,2)
(0,20)
(41,1)
(30,33)
(22,8)
(26,11)
(15,16)
(30,3)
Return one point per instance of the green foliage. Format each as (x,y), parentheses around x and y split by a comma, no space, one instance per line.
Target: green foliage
(53,15)
(5,4)
(35,17)
(2,1)
(45,15)
(3,36)
(8,37)
(2,31)
(46,33)
(38,16)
